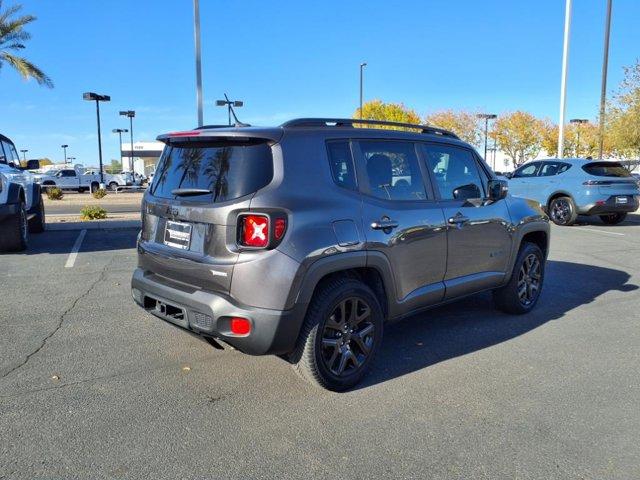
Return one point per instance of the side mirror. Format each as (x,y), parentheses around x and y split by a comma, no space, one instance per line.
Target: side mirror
(466,192)
(498,189)
(508,175)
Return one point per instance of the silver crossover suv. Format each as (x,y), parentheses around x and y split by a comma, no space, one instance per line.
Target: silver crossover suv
(573,186)
(304,240)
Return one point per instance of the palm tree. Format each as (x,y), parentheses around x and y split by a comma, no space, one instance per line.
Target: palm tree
(12,38)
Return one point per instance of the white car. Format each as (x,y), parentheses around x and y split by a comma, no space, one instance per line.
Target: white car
(21,205)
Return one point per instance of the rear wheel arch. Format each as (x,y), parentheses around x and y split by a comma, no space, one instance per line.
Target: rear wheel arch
(537,237)
(355,265)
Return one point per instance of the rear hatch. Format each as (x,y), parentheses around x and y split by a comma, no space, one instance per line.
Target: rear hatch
(611,178)
(190,211)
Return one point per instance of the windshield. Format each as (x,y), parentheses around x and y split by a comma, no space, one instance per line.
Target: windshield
(606,169)
(225,171)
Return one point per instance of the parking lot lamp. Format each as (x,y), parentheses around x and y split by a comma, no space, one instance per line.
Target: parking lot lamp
(24,154)
(64,149)
(94,97)
(120,131)
(486,117)
(578,122)
(362,65)
(603,90)
(130,114)
(563,77)
(229,103)
(71,159)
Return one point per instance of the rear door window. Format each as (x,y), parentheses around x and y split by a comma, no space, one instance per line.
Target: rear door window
(550,169)
(392,170)
(223,170)
(606,169)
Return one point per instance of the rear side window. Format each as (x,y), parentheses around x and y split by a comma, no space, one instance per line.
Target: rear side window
(392,170)
(606,169)
(341,163)
(224,170)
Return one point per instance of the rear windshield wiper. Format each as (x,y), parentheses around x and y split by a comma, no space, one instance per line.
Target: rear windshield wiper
(187,192)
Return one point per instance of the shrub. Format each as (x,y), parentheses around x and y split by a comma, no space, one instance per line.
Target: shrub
(100,193)
(93,212)
(54,193)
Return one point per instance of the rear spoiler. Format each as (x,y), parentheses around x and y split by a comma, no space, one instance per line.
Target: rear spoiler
(223,134)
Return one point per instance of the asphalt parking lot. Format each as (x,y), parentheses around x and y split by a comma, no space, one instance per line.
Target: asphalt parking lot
(93,387)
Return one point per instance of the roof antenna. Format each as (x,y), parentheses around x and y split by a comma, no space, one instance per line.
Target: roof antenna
(237,123)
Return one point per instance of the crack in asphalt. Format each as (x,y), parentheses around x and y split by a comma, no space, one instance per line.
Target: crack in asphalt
(61,319)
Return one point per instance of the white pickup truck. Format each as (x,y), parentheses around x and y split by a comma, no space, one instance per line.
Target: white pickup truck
(21,205)
(79,179)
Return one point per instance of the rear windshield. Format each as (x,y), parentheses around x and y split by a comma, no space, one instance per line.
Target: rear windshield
(606,169)
(226,170)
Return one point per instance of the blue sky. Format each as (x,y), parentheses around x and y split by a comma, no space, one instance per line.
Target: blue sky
(300,58)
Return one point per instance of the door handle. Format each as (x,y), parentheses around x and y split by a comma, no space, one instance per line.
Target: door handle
(458,219)
(384,224)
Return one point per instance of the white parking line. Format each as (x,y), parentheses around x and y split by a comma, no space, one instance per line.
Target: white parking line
(599,231)
(74,251)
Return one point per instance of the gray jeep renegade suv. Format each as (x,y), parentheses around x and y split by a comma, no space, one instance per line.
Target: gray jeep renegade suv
(303,240)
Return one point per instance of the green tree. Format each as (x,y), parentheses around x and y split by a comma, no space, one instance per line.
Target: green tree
(519,135)
(392,112)
(623,119)
(115,167)
(462,123)
(12,39)
(580,140)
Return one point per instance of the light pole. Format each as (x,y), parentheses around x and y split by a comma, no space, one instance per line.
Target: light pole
(578,122)
(605,66)
(24,154)
(90,96)
(64,149)
(362,65)
(486,117)
(131,114)
(120,131)
(196,35)
(71,159)
(563,79)
(229,103)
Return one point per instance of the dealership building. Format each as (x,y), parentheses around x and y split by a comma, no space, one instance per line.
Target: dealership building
(145,156)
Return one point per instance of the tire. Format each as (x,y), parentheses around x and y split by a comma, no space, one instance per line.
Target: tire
(37,223)
(509,298)
(113,186)
(562,211)
(330,352)
(613,218)
(14,234)
(94,187)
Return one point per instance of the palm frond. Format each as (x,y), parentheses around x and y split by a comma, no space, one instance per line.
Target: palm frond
(26,69)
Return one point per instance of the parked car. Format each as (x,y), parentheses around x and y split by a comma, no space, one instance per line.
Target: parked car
(21,205)
(570,187)
(302,240)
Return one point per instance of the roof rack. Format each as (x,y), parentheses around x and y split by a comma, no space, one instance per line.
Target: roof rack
(351,122)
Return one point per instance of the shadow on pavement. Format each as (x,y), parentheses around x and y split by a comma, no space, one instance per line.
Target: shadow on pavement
(61,242)
(473,324)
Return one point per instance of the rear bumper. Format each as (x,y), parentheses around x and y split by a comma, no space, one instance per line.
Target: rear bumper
(610,206)
(8,210)
(208,314)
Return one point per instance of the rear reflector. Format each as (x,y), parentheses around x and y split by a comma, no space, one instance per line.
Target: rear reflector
(255,231)
(279,228)
(240,326)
